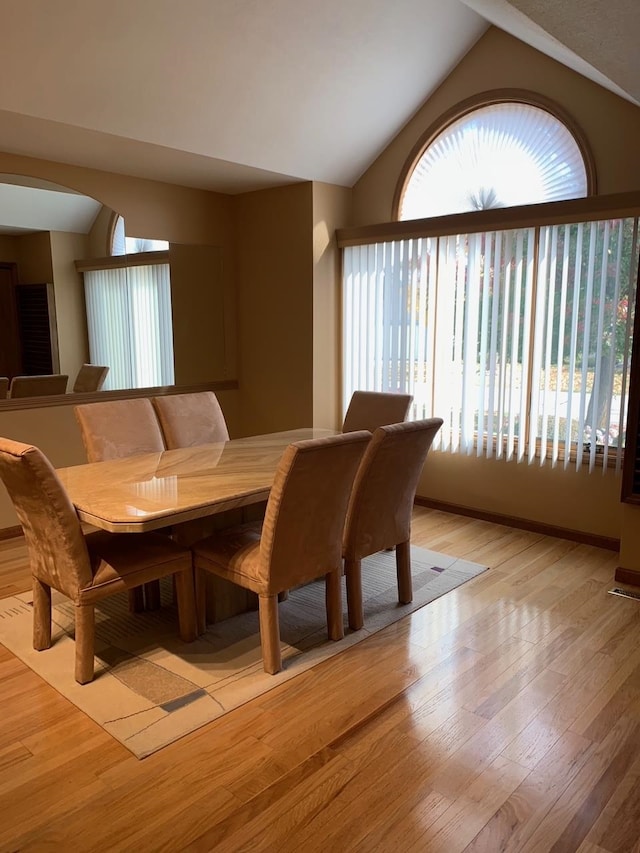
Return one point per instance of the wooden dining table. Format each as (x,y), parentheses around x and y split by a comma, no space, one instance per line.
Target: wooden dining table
(191,490)
(155,490)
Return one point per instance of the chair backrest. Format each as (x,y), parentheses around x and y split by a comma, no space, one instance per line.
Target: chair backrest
(38,386)
(191,419)
(379,514)
(57,548)
(90,377)
(4,387)
(372,409)
(304,520)
(118,428)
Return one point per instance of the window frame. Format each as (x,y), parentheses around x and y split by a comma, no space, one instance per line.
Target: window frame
(125,263)
(622,205)
(114,222)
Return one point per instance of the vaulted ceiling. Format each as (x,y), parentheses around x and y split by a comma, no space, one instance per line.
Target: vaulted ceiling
(233,95)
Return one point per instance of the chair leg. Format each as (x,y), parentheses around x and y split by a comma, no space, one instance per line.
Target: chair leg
(41,615)
(136,600)
(85,641)
(333,595)
(186,606)
(200,578)
(403,570)
(353,571)
(270,634)
(152,595)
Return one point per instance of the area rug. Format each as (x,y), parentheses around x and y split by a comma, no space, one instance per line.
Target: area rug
(151,689)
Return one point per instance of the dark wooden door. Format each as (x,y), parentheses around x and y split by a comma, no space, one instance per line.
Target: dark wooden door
(10,350)
(37,324)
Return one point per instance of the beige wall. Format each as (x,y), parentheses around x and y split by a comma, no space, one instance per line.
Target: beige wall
(630,539)
(71,317)
(498,61)
(274,263)
(98,245)
(35,265)
(331,210)
(198,307)
(9,248)
(574,500)
(32,254)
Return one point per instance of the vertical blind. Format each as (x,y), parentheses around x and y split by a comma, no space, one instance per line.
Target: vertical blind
(129,324)
(519,339)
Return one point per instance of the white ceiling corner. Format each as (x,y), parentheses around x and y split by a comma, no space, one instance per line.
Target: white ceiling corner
(599,44)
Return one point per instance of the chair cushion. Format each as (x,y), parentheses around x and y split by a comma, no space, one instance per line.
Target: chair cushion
(126,560)
(233,554)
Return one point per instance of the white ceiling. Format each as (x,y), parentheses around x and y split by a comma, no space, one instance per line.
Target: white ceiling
(235,95)
(40,208)
(308,90)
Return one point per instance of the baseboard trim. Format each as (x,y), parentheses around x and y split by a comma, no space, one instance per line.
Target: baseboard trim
(11,532)
(594,539)
(630,576)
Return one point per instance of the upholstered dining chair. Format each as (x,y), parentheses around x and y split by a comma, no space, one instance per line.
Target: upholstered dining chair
(379,514)
(91,377)
(85,568)
(114,429)
(301,536)
(4,387)
(190,419)
(38,386)
(371,409)
(117,428)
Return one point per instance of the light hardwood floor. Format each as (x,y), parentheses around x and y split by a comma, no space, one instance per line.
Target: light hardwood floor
(504,716)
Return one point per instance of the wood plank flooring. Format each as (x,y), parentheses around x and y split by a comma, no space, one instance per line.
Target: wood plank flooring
(505,716)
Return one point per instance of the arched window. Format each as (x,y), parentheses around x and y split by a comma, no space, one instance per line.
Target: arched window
(122,244)
(500,154)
